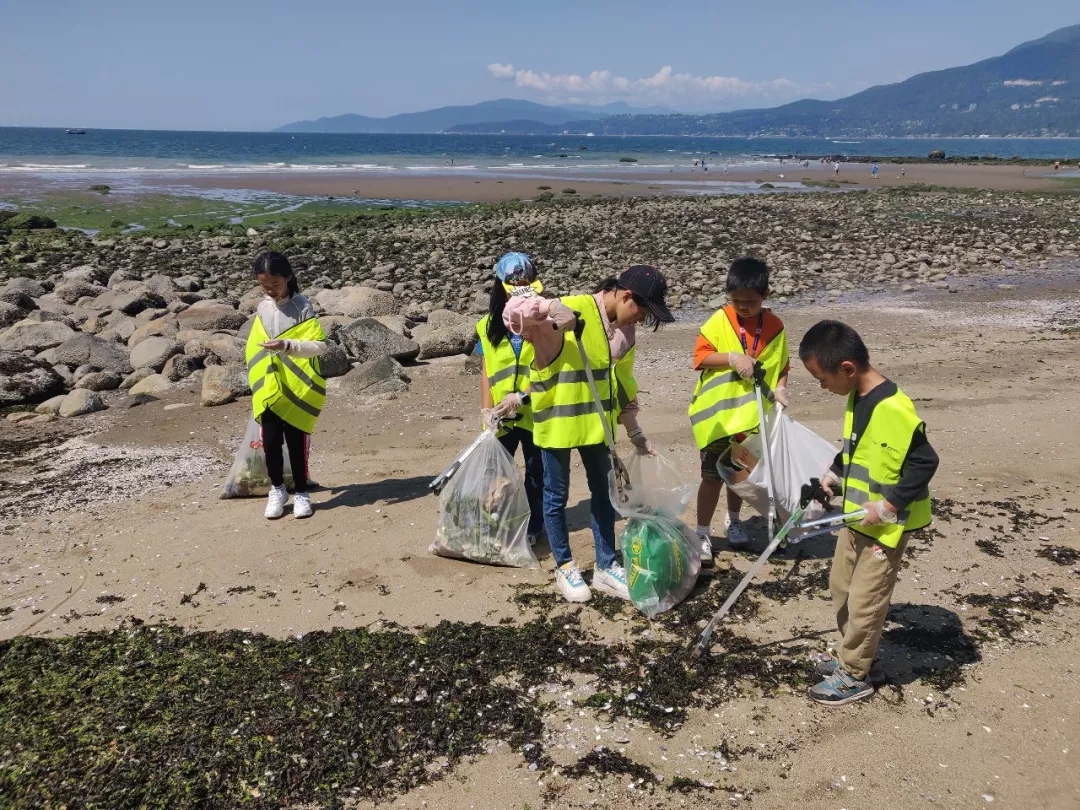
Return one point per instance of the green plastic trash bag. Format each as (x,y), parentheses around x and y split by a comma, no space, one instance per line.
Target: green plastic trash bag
(661,563)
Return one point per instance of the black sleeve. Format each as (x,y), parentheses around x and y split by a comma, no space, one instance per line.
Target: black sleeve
(919,467)
(838,465)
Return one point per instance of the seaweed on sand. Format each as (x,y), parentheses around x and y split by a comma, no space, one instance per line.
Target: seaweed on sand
(1007,615)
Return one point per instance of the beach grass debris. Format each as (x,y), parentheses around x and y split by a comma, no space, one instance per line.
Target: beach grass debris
(101,188)
(569,191)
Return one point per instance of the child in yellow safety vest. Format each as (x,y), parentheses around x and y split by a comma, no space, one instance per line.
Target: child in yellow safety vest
(287,387)
(564,411)
(506,360)
(885,467)
(724,407)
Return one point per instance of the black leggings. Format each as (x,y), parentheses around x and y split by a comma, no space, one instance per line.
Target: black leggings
(276,432)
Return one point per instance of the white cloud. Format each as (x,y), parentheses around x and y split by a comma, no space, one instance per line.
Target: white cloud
(663,87)
(1022,83)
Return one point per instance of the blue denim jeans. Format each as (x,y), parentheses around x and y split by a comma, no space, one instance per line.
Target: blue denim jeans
(597,462)
(534,473)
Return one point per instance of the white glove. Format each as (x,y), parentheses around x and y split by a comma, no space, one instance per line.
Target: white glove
(509,406)
(489,419)
(878,512)
(781,396)
(643,445)
(812,512)
(741,364)
(830,482)
(564,317)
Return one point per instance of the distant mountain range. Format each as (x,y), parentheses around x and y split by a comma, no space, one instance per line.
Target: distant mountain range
(445,119)
(1033,90)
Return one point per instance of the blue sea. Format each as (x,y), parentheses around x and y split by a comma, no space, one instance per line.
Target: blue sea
(118,152)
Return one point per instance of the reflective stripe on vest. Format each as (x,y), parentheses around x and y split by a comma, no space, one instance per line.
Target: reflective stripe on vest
(624,376)
(291,387)
(874,471)
(507,372)
(564,414)
(724,404)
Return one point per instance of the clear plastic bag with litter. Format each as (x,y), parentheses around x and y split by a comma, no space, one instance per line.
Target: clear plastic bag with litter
(661,561)
(248,477)
(484,510)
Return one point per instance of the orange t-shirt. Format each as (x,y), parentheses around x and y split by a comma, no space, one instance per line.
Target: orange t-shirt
(771,327)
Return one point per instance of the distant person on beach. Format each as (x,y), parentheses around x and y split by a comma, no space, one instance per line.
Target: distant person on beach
(288,389)
(836,169)
(704,166)
(873,170)
(505,362)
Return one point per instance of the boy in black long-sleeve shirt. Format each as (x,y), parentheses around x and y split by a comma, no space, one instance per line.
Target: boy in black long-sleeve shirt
(885,467)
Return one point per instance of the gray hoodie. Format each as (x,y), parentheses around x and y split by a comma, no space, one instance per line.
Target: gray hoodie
(281,316)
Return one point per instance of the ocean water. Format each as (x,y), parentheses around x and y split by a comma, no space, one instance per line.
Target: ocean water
(133,152)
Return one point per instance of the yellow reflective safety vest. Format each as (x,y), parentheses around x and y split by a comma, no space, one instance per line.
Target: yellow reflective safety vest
(564,413)
(291,387)
(507,372)
(873,471)
(724,404)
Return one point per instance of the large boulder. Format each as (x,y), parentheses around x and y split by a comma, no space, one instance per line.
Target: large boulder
(100,381)
(249,301)
(368,339)
(27,286)
(34,336)
(357,302)
(334,363)
(159,327)
(30,222)
(446,341)
(138,375)
(88,273)
(81,402)
(10,315)
(83,349)
(24,380)
(51,406)
(163,286)
(382,376)
(154,351)
(228,349)
(71,291)
(130,303)
(211,318)
(180,367)
(151,384)
(18,298)
(223,384)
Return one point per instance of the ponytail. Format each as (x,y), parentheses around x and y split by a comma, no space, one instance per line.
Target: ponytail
(496,329)
(294,285)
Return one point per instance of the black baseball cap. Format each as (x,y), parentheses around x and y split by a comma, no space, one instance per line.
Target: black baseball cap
(649,286)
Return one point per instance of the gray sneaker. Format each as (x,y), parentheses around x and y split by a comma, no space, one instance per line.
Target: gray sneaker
(839,689)
(736,535)
(827,665)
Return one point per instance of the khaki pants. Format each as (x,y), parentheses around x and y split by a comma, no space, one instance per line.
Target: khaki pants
(861,581)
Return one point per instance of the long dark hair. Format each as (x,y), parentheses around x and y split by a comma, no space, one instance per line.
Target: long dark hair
(496,329)
(611,283)
(272,263)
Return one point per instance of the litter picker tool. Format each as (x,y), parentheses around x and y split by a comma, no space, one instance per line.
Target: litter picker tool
(766,456)
(622,477)
(439,482)
(810,492)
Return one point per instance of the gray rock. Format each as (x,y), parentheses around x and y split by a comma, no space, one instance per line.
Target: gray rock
(130,303)
(249,301)
(65,374)
(25,380)
(180,367)
(27,286)
(244,332)
(335,362)
(151,384)
(154,351)
(447,341)
(81,402)
(442,318)
(82,371)
(135,400)
(210,318)
(188,284)
(34,336)
(367,339)
(18,298)
(51,406)
(223,384)
(228,349)
(357,302)
(134,377)
(71,291)
(163,286)
(10,314)
(160,327)
(382,376)
(395,323)
(94,350)
(87,273)
(99,381)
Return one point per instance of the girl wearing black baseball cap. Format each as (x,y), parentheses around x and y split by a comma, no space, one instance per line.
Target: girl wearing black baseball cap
(564,411)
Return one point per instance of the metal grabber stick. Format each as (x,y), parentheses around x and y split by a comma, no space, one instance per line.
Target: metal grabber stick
(438,483)
(766,456)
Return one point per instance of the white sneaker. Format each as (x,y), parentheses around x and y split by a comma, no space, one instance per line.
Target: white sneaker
(275,503)
(571,584)
(705,549)
(301,505)
(736,535)
(611,581)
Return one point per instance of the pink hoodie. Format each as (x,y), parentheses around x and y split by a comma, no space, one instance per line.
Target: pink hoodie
(528,317)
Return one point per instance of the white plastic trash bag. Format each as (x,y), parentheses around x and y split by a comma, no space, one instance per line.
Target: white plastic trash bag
(484,510)
(248,476)
(797,454)
(659,554)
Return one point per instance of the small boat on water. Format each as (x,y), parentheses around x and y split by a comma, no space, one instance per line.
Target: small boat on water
(76,132)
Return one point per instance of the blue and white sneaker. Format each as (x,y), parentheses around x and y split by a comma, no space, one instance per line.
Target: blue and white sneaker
(612,581)
(571,584)
(826,665)
(839,689)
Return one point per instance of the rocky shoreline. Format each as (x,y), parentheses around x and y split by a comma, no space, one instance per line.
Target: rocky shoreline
(85,317)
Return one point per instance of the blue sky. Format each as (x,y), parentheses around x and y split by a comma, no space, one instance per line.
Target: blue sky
(236,64)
